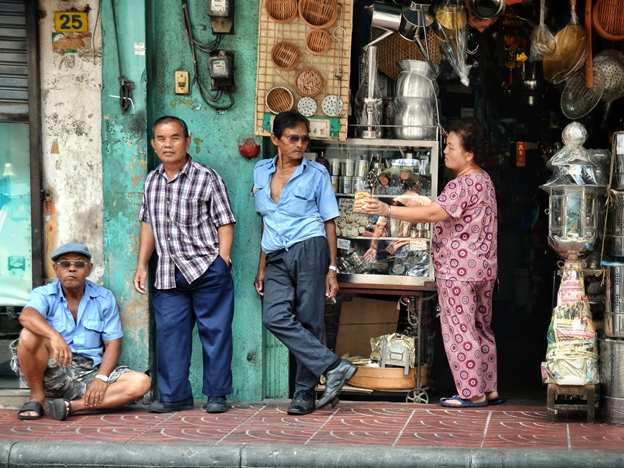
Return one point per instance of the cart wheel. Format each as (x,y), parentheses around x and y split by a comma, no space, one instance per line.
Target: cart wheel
(430,391)
(417,395)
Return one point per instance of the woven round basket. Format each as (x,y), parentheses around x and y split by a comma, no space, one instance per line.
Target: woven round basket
(318,13)
(318,41)
(309,82)
(285,55)
(279,99)
(395,48)
(281,11)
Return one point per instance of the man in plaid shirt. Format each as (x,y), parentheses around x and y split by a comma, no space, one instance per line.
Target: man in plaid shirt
(186,216)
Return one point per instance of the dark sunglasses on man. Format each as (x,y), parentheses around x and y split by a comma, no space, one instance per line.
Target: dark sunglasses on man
(294,139)
(66,264)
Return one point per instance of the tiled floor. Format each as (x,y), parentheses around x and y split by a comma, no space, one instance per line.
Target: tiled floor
(352,423)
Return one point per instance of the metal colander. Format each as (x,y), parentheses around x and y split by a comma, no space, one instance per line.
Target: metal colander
(611,63)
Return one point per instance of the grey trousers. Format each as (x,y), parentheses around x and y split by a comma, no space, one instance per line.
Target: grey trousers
(294,307)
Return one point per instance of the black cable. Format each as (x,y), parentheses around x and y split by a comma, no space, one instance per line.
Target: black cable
(125,85)
(205,94)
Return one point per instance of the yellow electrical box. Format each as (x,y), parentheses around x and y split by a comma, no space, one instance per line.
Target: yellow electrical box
(182,82)
(70,21)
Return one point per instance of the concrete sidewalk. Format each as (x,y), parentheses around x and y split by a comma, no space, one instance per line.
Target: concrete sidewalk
(355,434)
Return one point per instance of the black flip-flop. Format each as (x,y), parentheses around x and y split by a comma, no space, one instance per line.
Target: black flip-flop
(30,406)
(497,401)
(59,409)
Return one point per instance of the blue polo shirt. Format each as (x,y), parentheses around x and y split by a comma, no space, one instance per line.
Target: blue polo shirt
(306,202)
(97,320)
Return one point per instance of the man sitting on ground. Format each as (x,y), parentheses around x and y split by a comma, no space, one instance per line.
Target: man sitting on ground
(71,343)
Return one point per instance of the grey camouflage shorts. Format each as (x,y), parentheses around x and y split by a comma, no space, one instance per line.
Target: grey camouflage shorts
(69,382)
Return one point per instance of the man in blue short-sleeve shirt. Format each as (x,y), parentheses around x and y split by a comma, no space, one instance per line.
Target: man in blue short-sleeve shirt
(296,271)
(71,343)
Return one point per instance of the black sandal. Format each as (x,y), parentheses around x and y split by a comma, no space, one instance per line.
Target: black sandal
(30,406)
(59,409)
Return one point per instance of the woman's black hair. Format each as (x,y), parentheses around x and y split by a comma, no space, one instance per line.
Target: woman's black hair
(474,138)
(288,119)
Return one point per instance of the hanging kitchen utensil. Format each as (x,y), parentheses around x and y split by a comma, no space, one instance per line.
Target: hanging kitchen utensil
(332,105)
(306,106)
(339,34)
(608,19)
(611,63)
(543,43)
(451,30)
(385,17)
(589,74)
(571,50)
(414,24)
(577,100)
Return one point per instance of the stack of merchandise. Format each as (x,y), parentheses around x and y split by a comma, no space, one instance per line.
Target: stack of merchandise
(572,355)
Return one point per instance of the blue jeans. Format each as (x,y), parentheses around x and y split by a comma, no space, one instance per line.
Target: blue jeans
(209,302)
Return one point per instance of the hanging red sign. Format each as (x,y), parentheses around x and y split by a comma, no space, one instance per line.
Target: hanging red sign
(521,147)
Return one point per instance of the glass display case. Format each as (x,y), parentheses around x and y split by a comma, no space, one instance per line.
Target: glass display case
(375,250)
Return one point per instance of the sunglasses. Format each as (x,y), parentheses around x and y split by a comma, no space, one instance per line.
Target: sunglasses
(66,264)
(294,139)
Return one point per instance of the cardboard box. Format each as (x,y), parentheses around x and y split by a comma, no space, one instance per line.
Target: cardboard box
(362,319)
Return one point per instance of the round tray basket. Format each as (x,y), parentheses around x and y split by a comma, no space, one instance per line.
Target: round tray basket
(318,13)
(281,11)
(318,41)
(309,82)
(285,56)
(279,99)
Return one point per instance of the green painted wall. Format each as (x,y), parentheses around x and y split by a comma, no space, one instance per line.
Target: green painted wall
(260,363)
(124,165)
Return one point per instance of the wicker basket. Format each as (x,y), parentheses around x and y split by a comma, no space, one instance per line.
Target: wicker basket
(309,82)
(279,99)
(281,11)
(387,378)
(285,56)
(395,48)
(318,41)
(318,13)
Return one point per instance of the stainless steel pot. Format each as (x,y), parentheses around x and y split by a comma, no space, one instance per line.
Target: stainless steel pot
(414,118)
(487,9)
(384,16)
(415,80)
(614,303)
(612,380)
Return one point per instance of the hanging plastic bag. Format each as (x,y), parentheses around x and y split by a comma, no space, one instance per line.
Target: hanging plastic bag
(451,30)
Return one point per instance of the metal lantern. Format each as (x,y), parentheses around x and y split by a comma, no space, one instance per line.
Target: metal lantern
(574,219)
(577,190)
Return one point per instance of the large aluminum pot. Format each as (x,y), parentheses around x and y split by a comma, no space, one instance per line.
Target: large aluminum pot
(414,119)
(384,16)
(614,302)
(617,223)
(612,380)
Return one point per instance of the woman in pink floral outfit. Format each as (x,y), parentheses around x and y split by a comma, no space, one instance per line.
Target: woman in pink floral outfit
(463,247)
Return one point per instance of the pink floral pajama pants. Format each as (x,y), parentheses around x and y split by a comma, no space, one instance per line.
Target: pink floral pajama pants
(465,318)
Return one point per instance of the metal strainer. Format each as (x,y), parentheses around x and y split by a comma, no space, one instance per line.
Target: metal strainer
(577,100)
(611,63)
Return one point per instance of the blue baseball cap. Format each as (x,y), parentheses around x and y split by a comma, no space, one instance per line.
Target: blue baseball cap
(71,247)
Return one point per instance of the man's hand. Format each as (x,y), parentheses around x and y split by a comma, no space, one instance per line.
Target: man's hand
(95,393)
(331,285)
(140,278)
(259,281)
(62,352)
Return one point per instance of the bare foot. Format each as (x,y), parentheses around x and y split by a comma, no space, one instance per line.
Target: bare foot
(490,396)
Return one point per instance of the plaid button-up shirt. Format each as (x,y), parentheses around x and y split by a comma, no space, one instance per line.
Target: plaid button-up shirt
(185,213)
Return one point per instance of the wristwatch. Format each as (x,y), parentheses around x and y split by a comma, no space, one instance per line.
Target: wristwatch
(103,378)
(332,267)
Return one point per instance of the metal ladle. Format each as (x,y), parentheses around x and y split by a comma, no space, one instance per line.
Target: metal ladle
(543,43)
